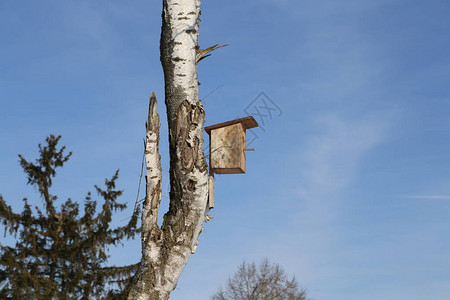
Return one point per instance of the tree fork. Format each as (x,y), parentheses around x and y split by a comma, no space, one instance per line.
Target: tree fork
(166,250)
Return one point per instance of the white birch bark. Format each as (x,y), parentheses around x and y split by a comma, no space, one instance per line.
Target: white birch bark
(166,250)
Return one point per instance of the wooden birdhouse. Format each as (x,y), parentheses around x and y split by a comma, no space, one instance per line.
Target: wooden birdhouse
(227,145)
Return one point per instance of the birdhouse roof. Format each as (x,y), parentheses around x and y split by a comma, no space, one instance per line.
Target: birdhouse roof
(247,123)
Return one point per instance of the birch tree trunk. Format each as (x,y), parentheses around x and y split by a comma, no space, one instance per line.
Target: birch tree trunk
(166,249)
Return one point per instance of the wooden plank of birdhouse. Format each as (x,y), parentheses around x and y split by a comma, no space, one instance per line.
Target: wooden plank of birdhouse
(227,149)
(211,192)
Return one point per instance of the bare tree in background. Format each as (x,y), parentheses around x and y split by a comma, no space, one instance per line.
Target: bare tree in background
(264,282)
(166,249)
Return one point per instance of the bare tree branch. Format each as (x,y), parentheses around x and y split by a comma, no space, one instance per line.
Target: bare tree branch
(264,282)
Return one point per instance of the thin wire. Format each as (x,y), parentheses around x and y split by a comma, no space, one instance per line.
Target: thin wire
(139,185)
(211,92)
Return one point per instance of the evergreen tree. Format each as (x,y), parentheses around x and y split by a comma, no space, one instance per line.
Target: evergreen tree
(62,253)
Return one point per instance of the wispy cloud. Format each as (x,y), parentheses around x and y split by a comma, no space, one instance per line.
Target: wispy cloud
(427,197)
(329,7)
(333,154)
(331,159)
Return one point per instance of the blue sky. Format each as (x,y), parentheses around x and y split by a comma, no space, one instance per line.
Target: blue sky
(348,189)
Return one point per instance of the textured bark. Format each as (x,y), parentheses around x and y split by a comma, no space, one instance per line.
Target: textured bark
(166,250)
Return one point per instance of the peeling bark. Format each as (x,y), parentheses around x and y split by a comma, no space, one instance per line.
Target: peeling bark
(166,250)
